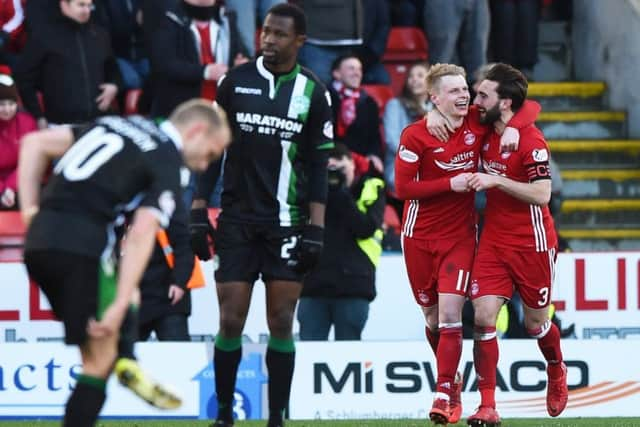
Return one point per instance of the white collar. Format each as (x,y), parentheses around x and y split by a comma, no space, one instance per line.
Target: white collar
(172,132)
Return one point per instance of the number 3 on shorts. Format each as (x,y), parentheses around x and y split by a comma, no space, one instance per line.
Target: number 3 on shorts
(544,296)
(287,245)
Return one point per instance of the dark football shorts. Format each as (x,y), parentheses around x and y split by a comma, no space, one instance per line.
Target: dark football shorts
(247,252)
(74,285)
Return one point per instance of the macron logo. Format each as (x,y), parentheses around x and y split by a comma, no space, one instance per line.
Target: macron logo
(248,90)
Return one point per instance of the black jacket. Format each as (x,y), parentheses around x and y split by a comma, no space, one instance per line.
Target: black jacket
(159,276)
(363,135)
(126,33)
(66,62)
(344,269)
(175,60)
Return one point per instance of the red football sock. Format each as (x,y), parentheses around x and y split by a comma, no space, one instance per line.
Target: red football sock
(433,338)
(448,357)
(485,360)
(549,342)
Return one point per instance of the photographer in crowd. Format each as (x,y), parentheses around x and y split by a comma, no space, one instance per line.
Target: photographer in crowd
(338,291)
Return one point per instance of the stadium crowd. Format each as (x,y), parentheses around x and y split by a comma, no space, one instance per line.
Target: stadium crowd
(70,62)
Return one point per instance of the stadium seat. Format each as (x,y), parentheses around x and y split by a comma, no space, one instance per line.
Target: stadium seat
(132,98)
(380,93)
(12,232)
(405,46)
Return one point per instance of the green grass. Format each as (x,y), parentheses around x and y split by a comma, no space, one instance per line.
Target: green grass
(537,422)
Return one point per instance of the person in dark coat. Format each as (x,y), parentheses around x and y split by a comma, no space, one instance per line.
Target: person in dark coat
(166,300)
(70,61)
(192,49)
(338,291)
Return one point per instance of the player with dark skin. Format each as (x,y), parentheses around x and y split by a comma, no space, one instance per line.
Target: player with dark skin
(261,232)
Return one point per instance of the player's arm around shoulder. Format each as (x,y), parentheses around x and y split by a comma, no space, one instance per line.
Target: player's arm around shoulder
(37,150)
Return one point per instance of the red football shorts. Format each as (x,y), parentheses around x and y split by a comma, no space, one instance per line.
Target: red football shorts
(438,267)
(499,271)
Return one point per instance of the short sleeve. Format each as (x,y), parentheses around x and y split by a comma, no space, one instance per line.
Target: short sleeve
(320,124)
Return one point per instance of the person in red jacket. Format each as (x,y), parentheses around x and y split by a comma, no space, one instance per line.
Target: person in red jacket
(12,29)
(13,125)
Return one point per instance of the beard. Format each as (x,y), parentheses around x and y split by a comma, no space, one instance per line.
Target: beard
(491,115)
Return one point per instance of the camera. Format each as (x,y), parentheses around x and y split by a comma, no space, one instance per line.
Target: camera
(337,176)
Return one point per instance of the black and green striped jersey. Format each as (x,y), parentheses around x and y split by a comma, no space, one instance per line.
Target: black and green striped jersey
(282,131)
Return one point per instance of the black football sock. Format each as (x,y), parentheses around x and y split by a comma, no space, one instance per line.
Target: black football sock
(85,402)
(128,333)
(226,359)
(280,359)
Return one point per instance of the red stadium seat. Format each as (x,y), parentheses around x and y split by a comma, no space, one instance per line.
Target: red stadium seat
(380,93)
(131,101)
(12,232)
(405,46)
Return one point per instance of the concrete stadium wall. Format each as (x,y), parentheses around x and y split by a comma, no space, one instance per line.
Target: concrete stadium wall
(606,42)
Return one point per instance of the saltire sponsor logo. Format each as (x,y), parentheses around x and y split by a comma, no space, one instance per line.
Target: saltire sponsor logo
(460,161)
(494,168)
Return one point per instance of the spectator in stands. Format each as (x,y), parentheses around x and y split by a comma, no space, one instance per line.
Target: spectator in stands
(12,34)
(356,114)
(412,104)
(194,47)
(514,33)
(166,299)
(458,32)
(334,28)
(38,13)
(406,13)
(71,63)
(13,125)
(377,24)
(124,23)
(339,289)
(249,12)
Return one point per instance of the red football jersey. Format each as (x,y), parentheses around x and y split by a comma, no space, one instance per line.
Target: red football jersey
(424,167)
(510,222)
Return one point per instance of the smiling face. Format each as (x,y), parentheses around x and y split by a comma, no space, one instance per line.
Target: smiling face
(488,102)
(279,42)
(349,72)
(451,96)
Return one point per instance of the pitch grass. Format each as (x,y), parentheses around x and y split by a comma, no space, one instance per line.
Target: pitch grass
(537,422)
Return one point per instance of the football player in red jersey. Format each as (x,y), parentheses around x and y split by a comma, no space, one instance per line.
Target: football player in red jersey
(439,221)
(518,246)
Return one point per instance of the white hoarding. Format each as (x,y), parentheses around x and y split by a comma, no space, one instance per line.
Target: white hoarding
(598,292)
(396,380)
(331,381)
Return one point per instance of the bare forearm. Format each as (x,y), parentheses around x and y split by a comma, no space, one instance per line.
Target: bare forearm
(535,193)
(136,250)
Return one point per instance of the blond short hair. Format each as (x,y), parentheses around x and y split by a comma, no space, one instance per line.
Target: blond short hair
(199,109)
(438,71)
